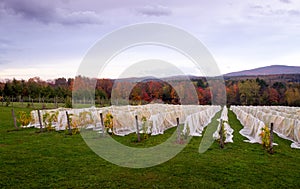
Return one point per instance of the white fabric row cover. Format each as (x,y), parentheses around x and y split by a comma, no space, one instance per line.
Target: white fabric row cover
(292,111)
(284,111)
(285,125)
(228,130)
(252,125)
(159,117)
(195,123)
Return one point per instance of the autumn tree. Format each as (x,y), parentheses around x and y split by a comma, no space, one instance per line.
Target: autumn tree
(293,96)
(232,92)
(273,96)
(249,92)
(281,89)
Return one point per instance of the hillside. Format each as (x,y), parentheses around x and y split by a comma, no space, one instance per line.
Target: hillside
(268,70)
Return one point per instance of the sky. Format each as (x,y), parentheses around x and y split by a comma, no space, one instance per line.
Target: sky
(49,39)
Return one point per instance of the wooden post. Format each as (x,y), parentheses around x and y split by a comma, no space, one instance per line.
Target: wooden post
(14,118)
(221,134)
(137,129)
(40,121)
(178,130)
(68,121)
(102,124)
(271,139)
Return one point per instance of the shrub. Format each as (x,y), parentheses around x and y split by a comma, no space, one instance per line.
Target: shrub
(108,121)
(24,118)
(68,102)
(265,137)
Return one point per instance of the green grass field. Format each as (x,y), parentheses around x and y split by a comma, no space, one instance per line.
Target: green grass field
(54,160)
(34,105)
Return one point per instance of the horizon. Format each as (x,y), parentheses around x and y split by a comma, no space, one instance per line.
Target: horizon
(49,39)
(51,80)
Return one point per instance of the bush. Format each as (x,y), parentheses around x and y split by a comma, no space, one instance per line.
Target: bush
(68,102)
(7,100)
(24,118)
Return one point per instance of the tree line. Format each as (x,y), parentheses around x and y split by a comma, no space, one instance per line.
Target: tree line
(259,92)
(239,92)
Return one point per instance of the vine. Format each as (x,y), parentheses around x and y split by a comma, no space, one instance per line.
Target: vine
(144,127)
(24,118)
(223,131)
(73,119)
(86,118)
(49,119)
(108,122)
(265,137)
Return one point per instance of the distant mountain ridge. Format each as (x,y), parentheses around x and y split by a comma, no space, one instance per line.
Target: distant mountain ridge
(268,70)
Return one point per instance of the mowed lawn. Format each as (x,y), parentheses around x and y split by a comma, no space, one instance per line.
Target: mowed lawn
(29,159)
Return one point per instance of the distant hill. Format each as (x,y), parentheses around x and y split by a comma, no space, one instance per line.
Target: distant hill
(268,70)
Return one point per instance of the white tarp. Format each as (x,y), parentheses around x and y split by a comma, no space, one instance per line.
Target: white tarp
(159,117)
(228,130)
(285,120)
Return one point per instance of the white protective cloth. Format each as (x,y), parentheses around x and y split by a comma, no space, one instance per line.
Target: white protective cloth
(227,128)
(159,117)
(196,122)
(285,120)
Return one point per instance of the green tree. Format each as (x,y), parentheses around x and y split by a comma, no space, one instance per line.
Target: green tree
(8,89)
(293,96)
(201,83)
(249,92)
(281,89)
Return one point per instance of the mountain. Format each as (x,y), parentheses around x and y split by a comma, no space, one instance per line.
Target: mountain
(268,70)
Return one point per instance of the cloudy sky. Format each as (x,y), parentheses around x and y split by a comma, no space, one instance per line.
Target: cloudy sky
(50,38)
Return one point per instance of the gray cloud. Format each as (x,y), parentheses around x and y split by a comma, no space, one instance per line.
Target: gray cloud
(77,17)
(256,7)
(46,12)
(268,10)
(294,12)
(156,10)
(284,12)
(30,9)
(5,41)
(285,1)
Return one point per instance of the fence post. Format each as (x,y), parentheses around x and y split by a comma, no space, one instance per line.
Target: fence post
(102,124)
(178,130)
(68,121)
(221,134)
(14,118)
(271,139)
(137,129)
(40,121)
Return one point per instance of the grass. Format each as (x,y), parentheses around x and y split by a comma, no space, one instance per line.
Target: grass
(29,105)
(54,160)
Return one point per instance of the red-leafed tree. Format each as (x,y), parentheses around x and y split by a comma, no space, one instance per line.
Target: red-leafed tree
(273,96)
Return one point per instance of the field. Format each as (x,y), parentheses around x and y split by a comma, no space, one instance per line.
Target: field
(29,159)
